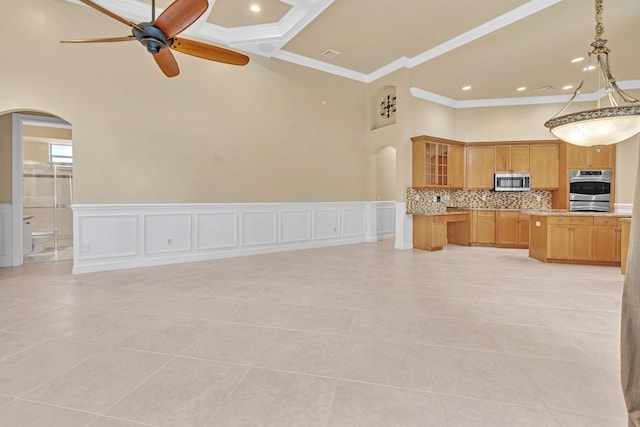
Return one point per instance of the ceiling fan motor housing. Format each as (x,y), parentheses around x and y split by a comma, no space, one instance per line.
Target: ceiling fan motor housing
(152,37)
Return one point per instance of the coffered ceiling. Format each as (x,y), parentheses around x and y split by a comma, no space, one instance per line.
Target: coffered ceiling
(493,46)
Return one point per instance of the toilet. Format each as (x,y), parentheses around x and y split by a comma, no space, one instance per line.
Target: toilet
(39,239)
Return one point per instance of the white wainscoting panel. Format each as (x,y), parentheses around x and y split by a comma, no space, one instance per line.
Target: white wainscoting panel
(258,228)
(385,220)
(105,236)
(5,235)
(295,226)
(326,223)
(354,221)
(167,233)
(216,230)
(111,237)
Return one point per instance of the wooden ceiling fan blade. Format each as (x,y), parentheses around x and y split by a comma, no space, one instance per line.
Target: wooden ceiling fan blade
(111,14)
(210,52)
(101,40)
(179,15)
(167,63)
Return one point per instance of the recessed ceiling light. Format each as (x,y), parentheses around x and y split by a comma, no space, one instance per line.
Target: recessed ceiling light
(466,87)
(578,59)
(255,8)
(567,87)
(589,68)
(521,88)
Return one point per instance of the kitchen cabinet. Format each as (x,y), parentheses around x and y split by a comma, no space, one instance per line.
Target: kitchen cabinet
(606,239)
(544,166)
(430,231)
(512,229)
(512,158)
(480,166)
(576,239)
(483,227)
(436,163)
(598,157)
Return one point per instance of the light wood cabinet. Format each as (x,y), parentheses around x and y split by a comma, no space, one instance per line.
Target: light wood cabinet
(430,231)
(483,227)
(507,228)
(479,166)
(512,229)
(576,239)
(512,158)
(544,166)
(606,239)
(523,230)
(599,157)
(437,163)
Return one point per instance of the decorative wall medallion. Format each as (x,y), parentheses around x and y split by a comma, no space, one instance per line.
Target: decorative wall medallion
(388,106)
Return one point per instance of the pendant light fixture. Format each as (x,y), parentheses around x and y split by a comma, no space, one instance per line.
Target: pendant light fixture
(601,125)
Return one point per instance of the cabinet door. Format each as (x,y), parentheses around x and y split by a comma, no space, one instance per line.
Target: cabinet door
(456,167)
(503,158)
(606,244)
(581,242)
(520,158)
(418,165)
(507,228)
(602,157)
(544,166)
(577,157)
(439,234)
(480,167)
(558,241)
(486,227)
(523,229)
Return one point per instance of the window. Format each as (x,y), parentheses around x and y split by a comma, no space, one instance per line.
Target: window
(60,153)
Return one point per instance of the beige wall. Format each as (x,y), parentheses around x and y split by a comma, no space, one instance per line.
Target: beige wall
(5,158)
(386,174)
(270,131)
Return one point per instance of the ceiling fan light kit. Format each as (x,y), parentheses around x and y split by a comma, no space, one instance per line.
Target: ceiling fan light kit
(601,125)
(159,35)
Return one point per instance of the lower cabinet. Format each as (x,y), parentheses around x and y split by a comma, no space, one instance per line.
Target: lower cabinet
(579,239)
(430,231)
(483,227)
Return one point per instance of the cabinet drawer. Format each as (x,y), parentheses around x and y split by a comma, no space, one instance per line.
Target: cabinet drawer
(559,220)
(507,214)
(487,213)
(598,220)
(582,220)
(440,218)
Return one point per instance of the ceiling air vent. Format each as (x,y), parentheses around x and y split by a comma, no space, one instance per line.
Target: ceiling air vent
(544,89)
(330,53)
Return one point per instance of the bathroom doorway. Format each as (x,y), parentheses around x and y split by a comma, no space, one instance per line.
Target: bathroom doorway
(42,188)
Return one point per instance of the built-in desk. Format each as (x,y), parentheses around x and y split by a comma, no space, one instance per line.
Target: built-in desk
(432,232)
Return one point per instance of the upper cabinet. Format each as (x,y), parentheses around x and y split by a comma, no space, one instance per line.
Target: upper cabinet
(437,162)
(512,158)
(544,165)
(599,157)
(480,166)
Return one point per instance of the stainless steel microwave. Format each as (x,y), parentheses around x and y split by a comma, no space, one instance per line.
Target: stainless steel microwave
(512,182)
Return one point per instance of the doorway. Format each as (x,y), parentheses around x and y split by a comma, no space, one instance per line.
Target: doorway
(42,172)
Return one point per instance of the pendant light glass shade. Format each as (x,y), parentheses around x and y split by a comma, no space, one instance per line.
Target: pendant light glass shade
(599,126)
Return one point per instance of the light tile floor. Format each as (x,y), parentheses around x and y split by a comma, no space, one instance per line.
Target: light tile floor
(360,335)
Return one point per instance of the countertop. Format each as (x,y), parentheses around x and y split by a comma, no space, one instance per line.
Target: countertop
(625,219)
(451,212)
(562,212)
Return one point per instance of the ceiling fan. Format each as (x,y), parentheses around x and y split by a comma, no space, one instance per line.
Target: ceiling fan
(159,35)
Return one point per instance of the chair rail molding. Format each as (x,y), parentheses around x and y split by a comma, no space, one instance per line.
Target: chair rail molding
(113,237)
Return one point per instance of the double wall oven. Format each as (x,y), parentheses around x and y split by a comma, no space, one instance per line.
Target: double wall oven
(590,190)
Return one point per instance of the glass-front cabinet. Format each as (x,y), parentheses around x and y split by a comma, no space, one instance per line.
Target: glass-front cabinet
(437,162)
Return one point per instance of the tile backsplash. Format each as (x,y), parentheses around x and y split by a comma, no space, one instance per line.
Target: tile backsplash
(421,200)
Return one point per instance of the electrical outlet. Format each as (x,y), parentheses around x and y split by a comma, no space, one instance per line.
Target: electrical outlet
(538,198)
(484,197)
(417,198)
(438,198)
(170,242)
(435,199)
